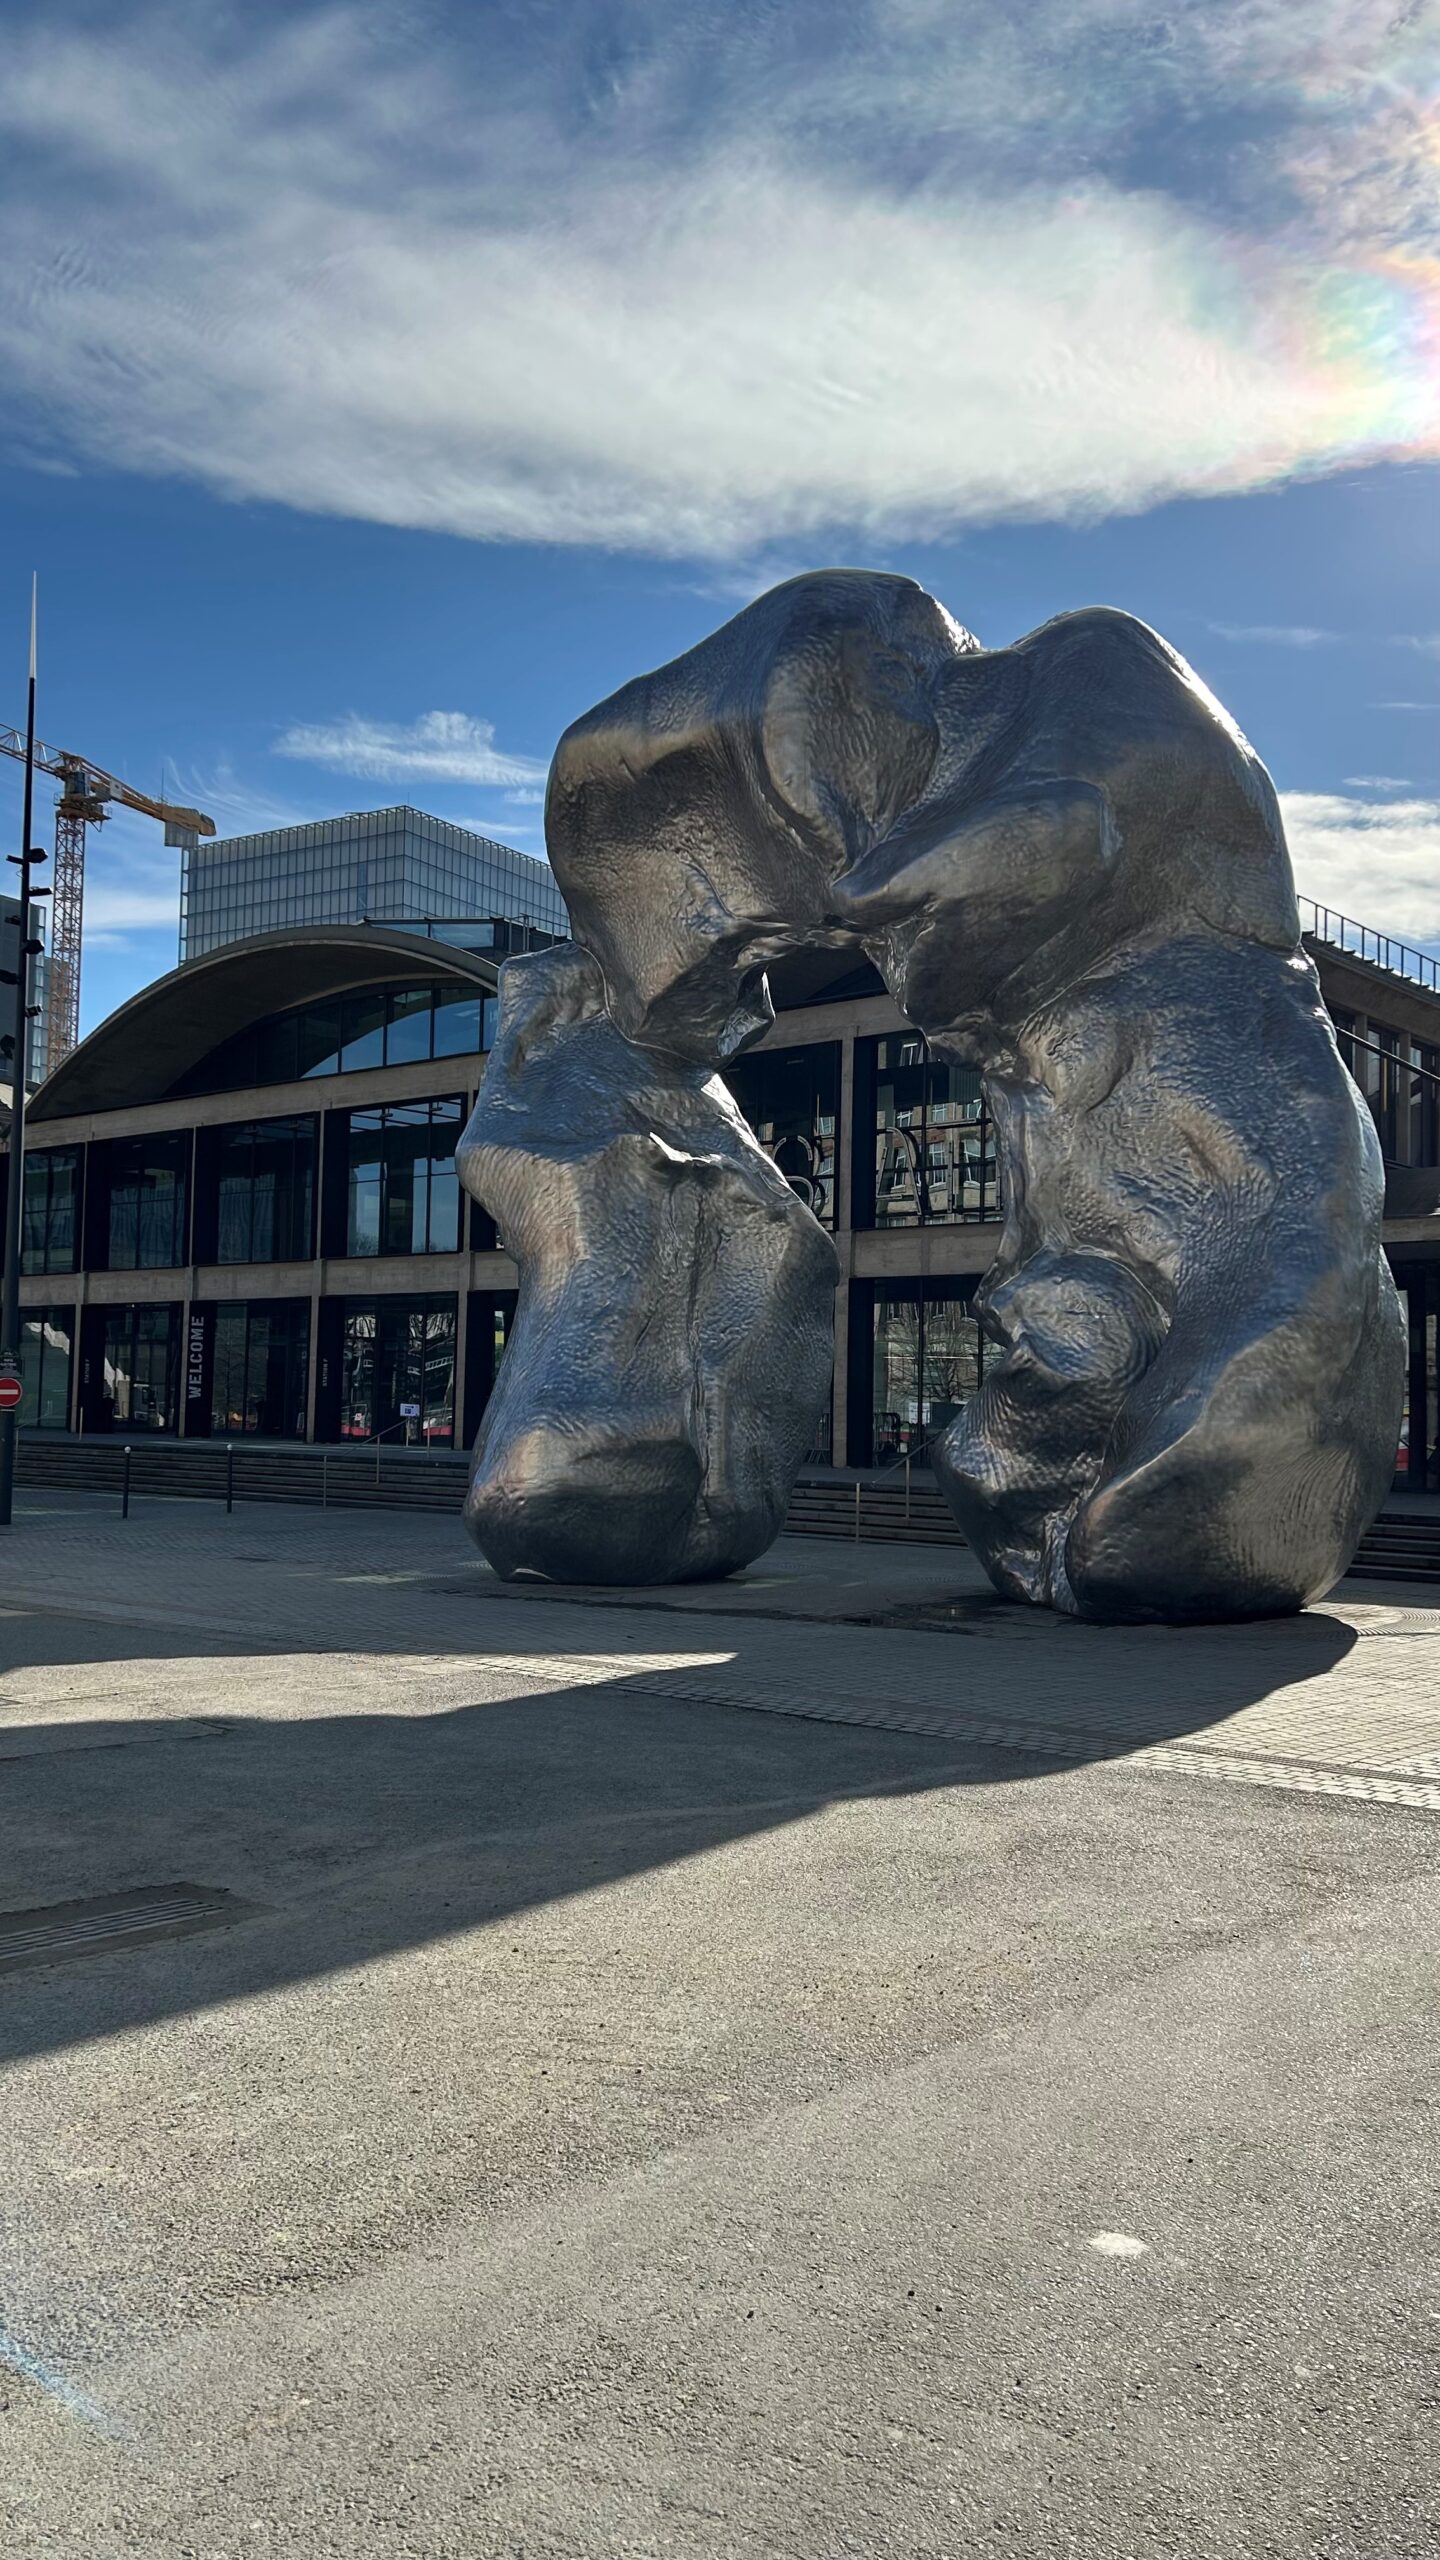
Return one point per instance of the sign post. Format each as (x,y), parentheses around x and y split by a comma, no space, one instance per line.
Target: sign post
(24,861)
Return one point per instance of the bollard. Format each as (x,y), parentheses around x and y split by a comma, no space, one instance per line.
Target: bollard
(907,1488)
(857,1515)
(229,1475)
(325,1482)
(125,1485)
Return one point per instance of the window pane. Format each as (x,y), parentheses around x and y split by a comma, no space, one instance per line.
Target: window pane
(897,1378)
(362,1031)
(404,1194)
(398,1371)
(318,1041)
(790,1098)
(49,1210)
(276,1050)
(928,1361)
(261,1369)
(457,1023)
(148,1194)
(408,1036)
(141,1367)
(46,1346)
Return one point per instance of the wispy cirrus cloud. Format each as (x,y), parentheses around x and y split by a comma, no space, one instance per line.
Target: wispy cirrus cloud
(1275,635)
(441,746)
(1376,860)
(703,281)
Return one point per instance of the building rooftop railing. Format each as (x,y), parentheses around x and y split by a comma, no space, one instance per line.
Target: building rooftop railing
(1343,933)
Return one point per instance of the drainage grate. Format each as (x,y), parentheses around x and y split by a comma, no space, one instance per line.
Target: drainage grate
(62,1929)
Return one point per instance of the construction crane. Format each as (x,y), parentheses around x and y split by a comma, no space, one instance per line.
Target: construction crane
(86,794)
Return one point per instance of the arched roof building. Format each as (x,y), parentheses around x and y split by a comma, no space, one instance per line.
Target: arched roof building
(242,1213)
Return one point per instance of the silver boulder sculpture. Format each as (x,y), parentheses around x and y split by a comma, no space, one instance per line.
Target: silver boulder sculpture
(672,1343)
(1071,871)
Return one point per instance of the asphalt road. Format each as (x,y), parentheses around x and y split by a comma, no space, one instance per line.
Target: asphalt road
(637,2130)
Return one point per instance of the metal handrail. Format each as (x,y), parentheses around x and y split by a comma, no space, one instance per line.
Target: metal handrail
(1366,942)
(1388,1057)
(377,1436)
(906,1460)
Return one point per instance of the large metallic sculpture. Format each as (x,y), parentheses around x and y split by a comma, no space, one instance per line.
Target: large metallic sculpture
(674,1333)
(1070,869)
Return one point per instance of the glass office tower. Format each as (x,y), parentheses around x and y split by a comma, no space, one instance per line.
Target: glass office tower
(381,866)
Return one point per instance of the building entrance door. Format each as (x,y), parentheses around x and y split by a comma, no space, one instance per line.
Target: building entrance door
(397,1371)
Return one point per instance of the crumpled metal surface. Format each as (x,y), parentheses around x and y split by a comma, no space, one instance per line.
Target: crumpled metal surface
(672,1344)
(1071,871)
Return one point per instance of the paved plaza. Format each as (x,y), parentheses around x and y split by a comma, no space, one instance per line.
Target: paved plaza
(824,2064)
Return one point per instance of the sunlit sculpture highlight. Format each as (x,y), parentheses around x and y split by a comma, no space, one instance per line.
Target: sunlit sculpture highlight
(1070,869)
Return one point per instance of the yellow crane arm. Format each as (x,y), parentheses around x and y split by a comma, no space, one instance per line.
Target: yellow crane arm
(87,782)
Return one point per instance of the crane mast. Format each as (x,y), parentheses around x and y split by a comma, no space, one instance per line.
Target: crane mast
(87,794)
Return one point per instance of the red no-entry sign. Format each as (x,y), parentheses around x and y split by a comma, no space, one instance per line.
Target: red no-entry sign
(10,1391)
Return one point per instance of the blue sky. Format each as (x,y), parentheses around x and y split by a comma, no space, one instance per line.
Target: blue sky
(383,386)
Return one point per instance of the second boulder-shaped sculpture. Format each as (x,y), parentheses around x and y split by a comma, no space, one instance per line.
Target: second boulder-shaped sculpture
(672,1345)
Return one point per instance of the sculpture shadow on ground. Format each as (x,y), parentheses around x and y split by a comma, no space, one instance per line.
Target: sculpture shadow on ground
(362,1835)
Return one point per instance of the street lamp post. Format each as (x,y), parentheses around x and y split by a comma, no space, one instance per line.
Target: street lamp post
(24,861)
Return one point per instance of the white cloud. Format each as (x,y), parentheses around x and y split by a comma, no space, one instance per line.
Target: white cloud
(1379,861)
(1377,782)
(701,282)
(441,746)
(1275,635)
(132,881)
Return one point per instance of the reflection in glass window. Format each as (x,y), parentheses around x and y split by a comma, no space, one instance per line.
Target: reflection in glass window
(408,1032)
(50,1211)
(934,1158)
(929,1358)
(457,1022)
(149,1188)
(362,1031)
(141,1368)
(47,1345)
(404,1194)
(397,1364)
(381,1026)
(265,1189)
(262,1354)
(790,1098)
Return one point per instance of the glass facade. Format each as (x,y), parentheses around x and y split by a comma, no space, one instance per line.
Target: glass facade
(331,1174)
(791,1098)
(1417,1459)
(1400,1079)
(380,1027)
(928,1358)
(140,1369)
(403,1190)
(50,1213)
(47,1354)
(149,1189)
(262,1368)
(397,1371)
(378,866)
(263,1173)
(932,1162)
